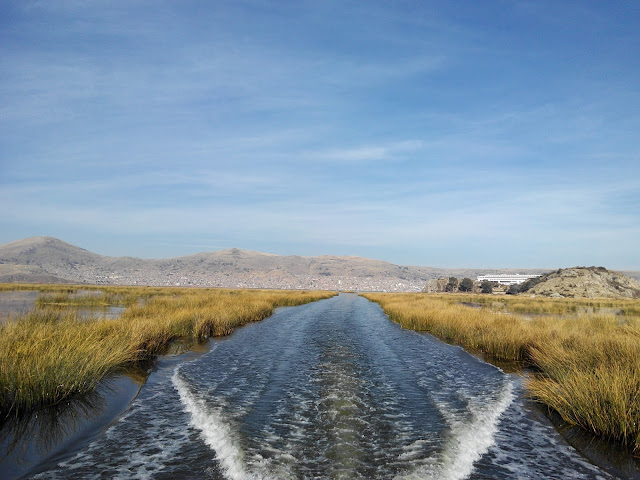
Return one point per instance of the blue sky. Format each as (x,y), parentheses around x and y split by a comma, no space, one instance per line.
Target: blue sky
(480,134)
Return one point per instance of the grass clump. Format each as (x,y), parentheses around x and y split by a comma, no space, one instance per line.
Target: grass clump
(587,365)
(51,355)
(45,357)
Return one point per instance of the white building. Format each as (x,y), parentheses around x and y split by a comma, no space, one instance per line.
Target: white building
(506,278)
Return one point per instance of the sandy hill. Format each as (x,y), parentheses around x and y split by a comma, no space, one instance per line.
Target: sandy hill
(585,282)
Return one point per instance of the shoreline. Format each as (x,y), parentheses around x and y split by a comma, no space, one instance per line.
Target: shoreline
(612,457)
(559,351)
(56,364)
(47,435)
(84,418)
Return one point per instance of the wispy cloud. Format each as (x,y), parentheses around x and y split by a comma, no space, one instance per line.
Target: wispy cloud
(388,151)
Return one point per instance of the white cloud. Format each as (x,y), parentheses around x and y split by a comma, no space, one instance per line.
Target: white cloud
(386,151)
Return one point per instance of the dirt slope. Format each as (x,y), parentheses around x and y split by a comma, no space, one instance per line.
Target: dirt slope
(586,282)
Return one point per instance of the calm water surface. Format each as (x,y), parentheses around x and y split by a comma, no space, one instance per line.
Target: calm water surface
(331,390)
(19,302)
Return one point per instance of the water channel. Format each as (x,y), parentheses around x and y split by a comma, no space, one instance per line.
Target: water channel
(328,390)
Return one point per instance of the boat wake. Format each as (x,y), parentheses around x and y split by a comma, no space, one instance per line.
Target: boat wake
(470,435)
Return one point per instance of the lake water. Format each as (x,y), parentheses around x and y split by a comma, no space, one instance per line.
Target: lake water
(328,390)
(19,302)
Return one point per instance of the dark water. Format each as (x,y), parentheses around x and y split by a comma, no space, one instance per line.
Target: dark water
(331,390)
(49,435)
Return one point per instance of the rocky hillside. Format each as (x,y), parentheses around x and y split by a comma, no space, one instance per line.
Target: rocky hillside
(47,259)
(584,282)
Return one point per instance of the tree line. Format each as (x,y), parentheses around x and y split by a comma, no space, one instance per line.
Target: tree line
(466,285)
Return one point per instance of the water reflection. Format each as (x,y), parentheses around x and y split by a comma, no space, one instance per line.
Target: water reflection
(42,436)
(17,302)
(614,458)
(100,312)
(47,428)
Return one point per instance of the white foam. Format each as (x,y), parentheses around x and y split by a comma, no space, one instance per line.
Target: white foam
(469,438)
(221,437)
(412,451)
(216,433)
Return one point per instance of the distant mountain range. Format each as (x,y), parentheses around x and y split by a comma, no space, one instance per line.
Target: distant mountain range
(49,260)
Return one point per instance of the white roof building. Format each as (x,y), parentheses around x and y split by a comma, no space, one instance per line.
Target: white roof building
(506,278)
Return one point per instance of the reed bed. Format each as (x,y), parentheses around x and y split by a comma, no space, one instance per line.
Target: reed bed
(51,355)
(50,287)
(547,306)
(87,295)
(587,366)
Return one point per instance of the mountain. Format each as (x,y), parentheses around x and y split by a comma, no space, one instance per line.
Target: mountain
(34,260)
(47,259)
(45,252)
(584,282)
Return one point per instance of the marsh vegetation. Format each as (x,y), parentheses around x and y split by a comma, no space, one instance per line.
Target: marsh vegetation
(587,365)
(52,354)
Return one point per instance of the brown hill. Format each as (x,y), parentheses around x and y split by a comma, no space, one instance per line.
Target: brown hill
(584,282)
(44,251)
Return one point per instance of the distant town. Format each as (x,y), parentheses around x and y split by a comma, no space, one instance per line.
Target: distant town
(274,280)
